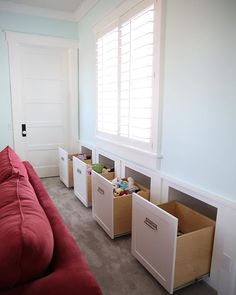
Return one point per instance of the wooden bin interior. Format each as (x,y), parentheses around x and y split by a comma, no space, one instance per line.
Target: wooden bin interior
(123,204)
(109,163)
(70,169)
(194,245)
(191,202)
(108,175)
(89,181)
(87,151)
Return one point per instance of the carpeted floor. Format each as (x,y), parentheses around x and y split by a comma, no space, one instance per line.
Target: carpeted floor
(111,262)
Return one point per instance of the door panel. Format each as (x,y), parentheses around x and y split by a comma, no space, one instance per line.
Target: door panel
(80,180)
(45,157)
(63,166)
(42,90)
(36,112)
(103,202)
(43,135)
(38,56)
(154,234)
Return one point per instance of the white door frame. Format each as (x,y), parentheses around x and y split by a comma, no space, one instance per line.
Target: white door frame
(16,39)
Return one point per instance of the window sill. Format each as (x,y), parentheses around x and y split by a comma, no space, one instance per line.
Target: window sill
(126,152)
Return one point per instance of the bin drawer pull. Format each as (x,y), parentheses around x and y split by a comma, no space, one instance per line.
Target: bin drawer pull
(150,223)
(101,191)
(79,171)
(62,159)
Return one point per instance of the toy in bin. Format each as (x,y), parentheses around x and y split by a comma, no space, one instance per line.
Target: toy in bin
(101,168)
(83,156)
(123,186)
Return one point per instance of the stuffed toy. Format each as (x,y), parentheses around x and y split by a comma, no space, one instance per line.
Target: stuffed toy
(98,167)
(118,192)
(107,170)
(82,156)
(119,183)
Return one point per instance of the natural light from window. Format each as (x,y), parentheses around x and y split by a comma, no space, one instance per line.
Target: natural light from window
(125,74)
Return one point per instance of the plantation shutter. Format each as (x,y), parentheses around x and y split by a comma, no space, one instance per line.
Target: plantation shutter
(107,82)
(125,75)
(136,77)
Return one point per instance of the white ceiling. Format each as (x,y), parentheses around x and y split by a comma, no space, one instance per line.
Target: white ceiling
(63,9)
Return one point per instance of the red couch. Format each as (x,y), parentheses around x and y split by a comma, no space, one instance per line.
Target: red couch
(67,273)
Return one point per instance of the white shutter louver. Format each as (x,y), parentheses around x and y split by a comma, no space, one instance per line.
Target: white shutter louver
(136,78)
(107,82)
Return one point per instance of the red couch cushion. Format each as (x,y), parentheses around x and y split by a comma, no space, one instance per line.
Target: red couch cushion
(10,164)
(26,237)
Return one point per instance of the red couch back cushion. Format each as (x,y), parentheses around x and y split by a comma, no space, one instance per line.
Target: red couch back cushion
(10,164)
(26,237)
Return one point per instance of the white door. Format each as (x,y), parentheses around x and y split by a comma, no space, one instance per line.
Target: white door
(40,103)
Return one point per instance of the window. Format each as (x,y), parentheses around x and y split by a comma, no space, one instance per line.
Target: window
(125,78)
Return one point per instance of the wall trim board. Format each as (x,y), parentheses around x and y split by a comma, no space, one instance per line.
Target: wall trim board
(188,188)
(223,271)
(35,11)
(197,192)
(73,16)
(84,8)
(14,37)
(145,159)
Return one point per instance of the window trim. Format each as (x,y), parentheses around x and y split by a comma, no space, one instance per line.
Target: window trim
(109,21)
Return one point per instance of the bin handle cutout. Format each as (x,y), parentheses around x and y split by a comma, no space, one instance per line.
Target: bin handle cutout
(150,223)
(62,158)
(101,191)
(79,171)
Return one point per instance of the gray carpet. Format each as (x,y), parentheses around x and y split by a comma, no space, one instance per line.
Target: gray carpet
(111,262)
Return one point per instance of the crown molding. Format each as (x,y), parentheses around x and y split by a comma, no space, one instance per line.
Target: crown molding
(35,11)
(84,8)
(74,16)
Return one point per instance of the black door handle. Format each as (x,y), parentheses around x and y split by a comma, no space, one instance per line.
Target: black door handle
(23,130)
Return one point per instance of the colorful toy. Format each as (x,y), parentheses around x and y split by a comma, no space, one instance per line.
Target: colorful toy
(118,192)
(89,171)
(119,183)
(115,182)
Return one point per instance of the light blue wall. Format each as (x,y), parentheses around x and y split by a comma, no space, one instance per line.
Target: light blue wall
(199,119)
(25,24)
(199,90)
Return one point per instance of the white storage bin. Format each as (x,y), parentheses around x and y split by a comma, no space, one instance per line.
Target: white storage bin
(66,167)
(82,181)
(172,241)
(114,213)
